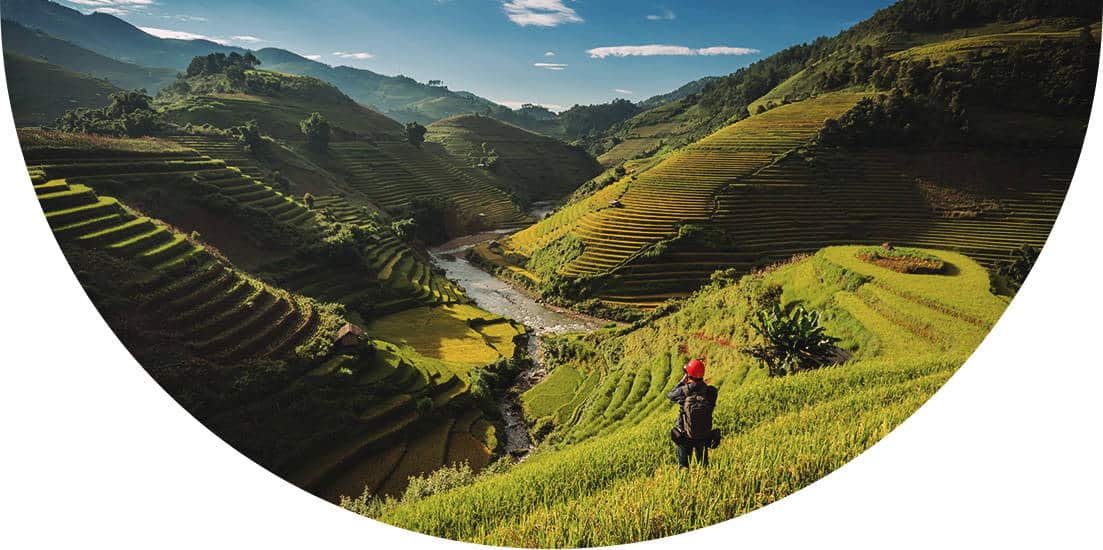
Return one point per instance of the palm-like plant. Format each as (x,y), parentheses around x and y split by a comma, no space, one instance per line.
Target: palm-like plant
(1017,266)
(791,342)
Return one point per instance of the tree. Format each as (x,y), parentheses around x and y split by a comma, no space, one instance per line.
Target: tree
(309,200)
(248,135)
(415,134)
(1017,266)
(316,128)
(790,342)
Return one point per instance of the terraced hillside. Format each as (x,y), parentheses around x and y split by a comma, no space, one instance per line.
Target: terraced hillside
(682,188)
(859,195)
(214,309)
(610,448)
(534,167)
(391,174)
(256,357)
(426,418)
(397,267)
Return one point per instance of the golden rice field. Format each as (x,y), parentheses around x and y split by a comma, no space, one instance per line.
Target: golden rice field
(906,335)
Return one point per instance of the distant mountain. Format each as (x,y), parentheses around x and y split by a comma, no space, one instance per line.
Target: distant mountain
(108,35)
(398,97)
(689,89)
(41,92)
(39,45)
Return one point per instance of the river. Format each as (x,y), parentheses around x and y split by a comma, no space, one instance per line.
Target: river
(499,297)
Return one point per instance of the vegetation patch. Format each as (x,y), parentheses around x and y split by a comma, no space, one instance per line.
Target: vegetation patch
(903,260)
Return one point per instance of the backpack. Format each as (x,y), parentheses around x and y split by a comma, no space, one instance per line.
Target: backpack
(696,416)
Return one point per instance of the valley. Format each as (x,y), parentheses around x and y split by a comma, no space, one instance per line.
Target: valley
(463,319)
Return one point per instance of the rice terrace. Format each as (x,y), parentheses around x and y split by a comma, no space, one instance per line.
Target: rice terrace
(468,318)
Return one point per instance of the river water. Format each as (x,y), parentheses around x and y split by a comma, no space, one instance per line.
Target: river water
(499,297)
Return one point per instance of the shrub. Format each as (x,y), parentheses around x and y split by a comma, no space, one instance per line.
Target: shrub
(248,135)
(317,130)
(790,342)
(415,134)
(1014,270)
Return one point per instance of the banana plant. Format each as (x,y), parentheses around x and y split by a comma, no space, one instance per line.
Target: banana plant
(791,342)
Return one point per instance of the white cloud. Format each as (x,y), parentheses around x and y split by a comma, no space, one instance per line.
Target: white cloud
(666,15)
(551,66)
(624,92)
(518,104)
(549,54)
(246,38)
(725,50)
(540,13)
(660,49)
(181,35)
(114,7)
(352,55)
(314,57)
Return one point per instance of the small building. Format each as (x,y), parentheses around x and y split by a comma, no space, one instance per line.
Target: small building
(350,336)
(615,204)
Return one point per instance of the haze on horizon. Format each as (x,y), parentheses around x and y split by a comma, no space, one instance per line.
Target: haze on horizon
(555,53)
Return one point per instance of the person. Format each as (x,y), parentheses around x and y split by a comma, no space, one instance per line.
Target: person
(696,400)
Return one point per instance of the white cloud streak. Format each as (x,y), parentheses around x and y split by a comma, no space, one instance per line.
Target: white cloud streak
(549,54)
(540,13)
(354,55)
(314,57)
(517,105)
(181,35)
(666,15)
(661,49)
(624,92)
(551,66)
(114,7)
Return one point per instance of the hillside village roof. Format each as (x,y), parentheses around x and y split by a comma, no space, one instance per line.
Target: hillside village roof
(349,329)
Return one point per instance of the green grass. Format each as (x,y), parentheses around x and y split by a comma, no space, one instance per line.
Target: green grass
(611,452)
(532,166)
(553,392)
(460,336)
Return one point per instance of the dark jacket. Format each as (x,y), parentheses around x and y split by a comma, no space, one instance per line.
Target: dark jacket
(678,395)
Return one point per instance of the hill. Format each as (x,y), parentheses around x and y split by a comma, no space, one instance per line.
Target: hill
(37,44)
(826,64)
(608,445)
(369,153)
(399,97)
(684,91)
(536,168)
(231,294)
(976,157)
(108,35)
(277,101)
(40,92)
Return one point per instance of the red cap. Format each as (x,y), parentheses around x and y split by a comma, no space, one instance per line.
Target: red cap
(695,368)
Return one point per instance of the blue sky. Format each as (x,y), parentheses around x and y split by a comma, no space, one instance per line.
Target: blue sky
(551,52)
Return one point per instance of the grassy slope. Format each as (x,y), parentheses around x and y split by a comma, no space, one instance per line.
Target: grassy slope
(223,341)
(857,195)
(277,113)
(41,92)
(781,434)
(535,167)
